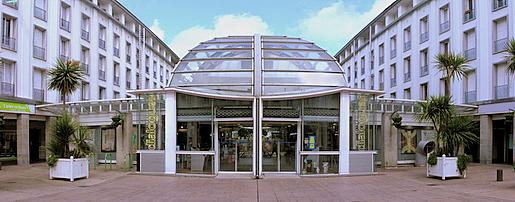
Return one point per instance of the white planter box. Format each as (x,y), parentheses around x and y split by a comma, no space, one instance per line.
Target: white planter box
(445,167)
(70,169)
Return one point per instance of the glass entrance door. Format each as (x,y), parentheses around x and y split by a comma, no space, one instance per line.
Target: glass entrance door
(279,146)
(235,151)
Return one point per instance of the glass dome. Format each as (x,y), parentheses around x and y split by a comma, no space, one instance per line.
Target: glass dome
(258,66)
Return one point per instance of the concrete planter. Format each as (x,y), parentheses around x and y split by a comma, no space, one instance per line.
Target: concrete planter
(70,169)
(445,167)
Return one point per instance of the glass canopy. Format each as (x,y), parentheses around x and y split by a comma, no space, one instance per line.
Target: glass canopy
(274,65)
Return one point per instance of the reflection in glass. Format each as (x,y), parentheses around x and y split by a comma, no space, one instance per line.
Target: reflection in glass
(292,90)
(304,78)
(296,54)
(235,146)
(219,54)
(195,163)
(319,164)
(324,134)
(222,46)
(210,78)
(304,65)
(291,45)
(194,136)
(217,65)
(279,146)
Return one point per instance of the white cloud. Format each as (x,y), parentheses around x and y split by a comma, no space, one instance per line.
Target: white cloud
(243,24)
(156,28)
(339,22)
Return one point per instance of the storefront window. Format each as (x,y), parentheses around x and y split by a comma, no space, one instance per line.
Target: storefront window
(194,136)
(321,136)
(364,123)
(195,163)
(319,164)
(8,143)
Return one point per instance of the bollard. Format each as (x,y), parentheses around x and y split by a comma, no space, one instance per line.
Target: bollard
(499,175)
(0,165)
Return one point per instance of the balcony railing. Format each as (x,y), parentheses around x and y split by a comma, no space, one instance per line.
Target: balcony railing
(38,94)
(424,37)
(498,4)
(102,44)
(64,58)
(501,91)
(65,25)
(469,15)
(445,26)
(116,80)
(470,54)
(393,53)
(101,75)
(39,52)
(128,58)
(407,77)
(85,68)
(393,82)
(40,13)
(407,46)
(500,45)
(424,70)
(9,43)
(7,89)
(116,52)
(10,3)
(470,96)
(381,86)
(84,35)
(381,60)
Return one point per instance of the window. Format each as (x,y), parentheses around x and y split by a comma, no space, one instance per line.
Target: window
(39,44)
(500,34)
(116,45)
(499,4)
(424,30)
(161,72)
(407,93)
(38,92)
(102,67)
(116,94)
(85,27)
(102,93)
(381,79)
(372,58)
(65,17)
(40,9)
(128,52)
(469,12)
(443,86)
(84,60)
(372,82)
(128,79)
(9,33)
(469,44)
(381,54)
(154,69)
(147,64)
(8,78)
(445,24)
(393,47)
(64,49)
(147,83)
(393,95)
(84,91)
(362,65)
(116,78)
(102,37)
(407,39)
(393,75)
(424,65)
(444,47)
(407,69)
(362,84)
(501,82)
(470,87)
(423,91)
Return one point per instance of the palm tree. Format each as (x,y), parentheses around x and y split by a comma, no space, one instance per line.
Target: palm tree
(510,56)
(439,111)
(460,132)
(65,77)
(454,66)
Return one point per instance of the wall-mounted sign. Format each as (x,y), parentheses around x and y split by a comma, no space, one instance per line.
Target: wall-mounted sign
(16,107)
(362,123)
(108,140)
(408,142)
(312,142)
(150,141)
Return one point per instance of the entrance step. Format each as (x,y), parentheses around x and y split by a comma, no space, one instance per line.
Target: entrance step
(280,175)
(234,176)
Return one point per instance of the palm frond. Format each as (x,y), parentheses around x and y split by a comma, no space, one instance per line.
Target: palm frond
(510,56)
(65,76)
(454,66)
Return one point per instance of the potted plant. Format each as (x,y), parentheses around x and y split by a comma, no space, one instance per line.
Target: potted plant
(396,120)
(117,119)
(453,134)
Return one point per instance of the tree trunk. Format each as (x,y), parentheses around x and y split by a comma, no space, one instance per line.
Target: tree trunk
(448,86)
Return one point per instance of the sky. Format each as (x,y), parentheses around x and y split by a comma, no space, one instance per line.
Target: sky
(183,24)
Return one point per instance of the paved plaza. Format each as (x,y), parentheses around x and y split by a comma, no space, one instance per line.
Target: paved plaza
(399,184)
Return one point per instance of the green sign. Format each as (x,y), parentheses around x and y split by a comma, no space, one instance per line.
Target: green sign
(15,107)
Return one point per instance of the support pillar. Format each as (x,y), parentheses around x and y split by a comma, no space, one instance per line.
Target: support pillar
(344,160)
(513,139)
(485,139)
(123,140)
(48,132)
(22,140)
(170,132)
(390,142)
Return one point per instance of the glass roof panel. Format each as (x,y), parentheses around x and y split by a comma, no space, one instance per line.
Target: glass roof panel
(231,39)
(291,46)
(222,90)
(213,65)
(223,45)
(303,78)
(288,90)
(212,78)
(296,54)
(219,54)
(302,65)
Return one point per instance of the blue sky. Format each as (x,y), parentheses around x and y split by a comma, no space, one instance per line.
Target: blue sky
(183,24)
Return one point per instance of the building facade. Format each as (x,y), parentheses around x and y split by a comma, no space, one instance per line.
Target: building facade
(395,53)
(115,49)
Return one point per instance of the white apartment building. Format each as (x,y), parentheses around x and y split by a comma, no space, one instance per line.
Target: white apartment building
(395,53)
(116,50)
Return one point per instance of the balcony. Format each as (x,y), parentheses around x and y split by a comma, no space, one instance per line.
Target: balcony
(85,68)
(9,43)
(470,54)
(445,26)
(116,52)
(7,89)
(500,45)
(128,58)
(381,86)
(470,96)
(393,53)
(498,4)
(64,58)
(84,35)
(501,91)
(116,80)
(38,94)
(424,71)
(424,37)
(102,44)
(407,77)
(65,25)
(381,60)
(10,3)
(39,52)
(469,16)
(407,46)
(101,75)
(39,13)
(393,82)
